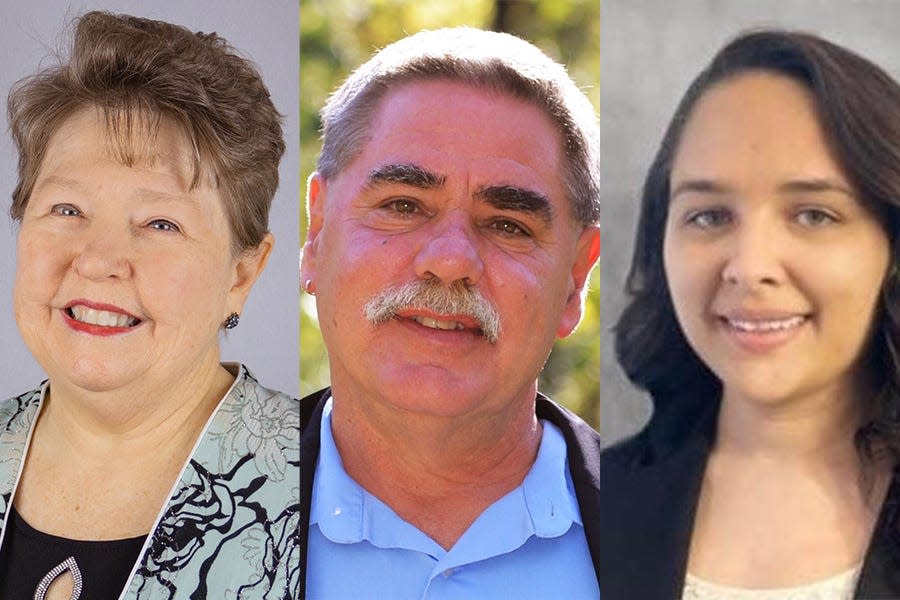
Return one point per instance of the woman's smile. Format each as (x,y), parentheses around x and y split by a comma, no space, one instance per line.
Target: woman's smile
(98,318)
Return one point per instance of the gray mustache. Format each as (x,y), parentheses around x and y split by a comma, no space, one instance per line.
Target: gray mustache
(458,299)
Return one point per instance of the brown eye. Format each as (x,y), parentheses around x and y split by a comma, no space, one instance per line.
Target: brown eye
(508,228)
(403,206)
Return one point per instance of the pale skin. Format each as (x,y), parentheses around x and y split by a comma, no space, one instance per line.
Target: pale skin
(765,227)
(123,411)
(440,427)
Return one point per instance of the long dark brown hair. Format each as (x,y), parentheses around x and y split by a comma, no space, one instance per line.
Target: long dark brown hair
(858,106)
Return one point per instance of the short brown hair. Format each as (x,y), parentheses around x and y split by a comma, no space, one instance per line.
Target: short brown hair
(498,62)
(137,71)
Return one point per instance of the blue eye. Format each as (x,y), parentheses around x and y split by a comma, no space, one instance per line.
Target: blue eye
(709,218)
(65,210)
(163,225)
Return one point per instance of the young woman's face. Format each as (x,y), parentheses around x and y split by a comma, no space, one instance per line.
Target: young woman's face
(773,264)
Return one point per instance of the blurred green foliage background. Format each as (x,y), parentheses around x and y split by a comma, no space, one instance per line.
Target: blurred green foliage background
(338,35)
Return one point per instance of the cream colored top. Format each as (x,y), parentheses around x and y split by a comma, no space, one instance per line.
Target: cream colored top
(838,587)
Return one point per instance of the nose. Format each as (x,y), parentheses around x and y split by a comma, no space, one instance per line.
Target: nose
(451,255)
(103,254)
(755,256)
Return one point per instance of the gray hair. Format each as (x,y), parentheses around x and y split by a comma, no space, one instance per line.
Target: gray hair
(495,61)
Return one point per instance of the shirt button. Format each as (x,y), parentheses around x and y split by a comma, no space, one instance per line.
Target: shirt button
(448,572)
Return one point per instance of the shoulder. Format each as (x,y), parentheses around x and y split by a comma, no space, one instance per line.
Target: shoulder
(275,402)
(311,408)
(582,443)
(630,452)
(17,412)
(573,427)
(256,424)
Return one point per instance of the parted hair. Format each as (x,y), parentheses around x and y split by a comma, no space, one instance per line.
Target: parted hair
(858,105)
(497,62)
(137,72)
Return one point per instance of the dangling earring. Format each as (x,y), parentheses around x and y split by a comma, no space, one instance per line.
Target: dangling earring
(232,321)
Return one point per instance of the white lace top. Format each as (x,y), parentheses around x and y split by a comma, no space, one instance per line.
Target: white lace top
(838,587)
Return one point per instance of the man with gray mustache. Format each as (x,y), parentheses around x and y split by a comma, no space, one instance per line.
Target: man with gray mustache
(452,228)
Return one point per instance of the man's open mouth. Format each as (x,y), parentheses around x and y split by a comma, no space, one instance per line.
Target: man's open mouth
(439,324)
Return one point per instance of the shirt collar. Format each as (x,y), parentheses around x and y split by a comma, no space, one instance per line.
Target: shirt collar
(544,504)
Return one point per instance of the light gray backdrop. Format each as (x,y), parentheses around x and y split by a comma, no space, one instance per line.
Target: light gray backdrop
(650,50)
(267,33)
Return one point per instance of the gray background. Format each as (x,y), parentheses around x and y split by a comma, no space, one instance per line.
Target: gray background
(650,51)
(266,32)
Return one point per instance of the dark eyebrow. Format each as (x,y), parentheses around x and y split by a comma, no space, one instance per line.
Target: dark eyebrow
(816,185)
(411,175)
(700,186)
(509,197)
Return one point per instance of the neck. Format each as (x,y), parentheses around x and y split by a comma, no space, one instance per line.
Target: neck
(437,472)
(815,426)
(145,414)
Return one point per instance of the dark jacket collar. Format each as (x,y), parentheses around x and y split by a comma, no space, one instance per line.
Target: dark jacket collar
(583,444)
(650,489)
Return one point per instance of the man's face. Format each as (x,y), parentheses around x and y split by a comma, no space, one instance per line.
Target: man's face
(461,188)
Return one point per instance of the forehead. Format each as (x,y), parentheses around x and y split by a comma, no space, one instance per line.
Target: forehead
(754,124)
(460,131)
(132,140)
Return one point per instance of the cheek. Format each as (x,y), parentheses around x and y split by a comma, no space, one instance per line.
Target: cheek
(692,278)
(40,268)
(185,290)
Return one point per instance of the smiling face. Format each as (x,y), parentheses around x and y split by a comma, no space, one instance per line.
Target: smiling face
(774,265)
(457,191)
(124,274)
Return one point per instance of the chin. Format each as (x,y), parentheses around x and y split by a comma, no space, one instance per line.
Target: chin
(434,391)
(94,376)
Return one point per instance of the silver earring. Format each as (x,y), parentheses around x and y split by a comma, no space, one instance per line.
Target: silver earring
(232,321)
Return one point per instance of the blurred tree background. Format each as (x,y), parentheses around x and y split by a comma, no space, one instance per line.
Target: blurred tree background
(338,35)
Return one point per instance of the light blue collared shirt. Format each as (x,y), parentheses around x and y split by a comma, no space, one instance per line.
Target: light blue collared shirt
(528,544)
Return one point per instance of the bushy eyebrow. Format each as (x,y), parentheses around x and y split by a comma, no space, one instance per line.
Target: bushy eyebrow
(406,174)
(501,197)
(516,199)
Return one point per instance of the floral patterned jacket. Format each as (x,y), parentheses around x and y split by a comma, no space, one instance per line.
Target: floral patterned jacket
(230,528)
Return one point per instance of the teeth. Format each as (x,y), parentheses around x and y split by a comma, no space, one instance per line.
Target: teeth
(766,326)
(103,318)
(436,324)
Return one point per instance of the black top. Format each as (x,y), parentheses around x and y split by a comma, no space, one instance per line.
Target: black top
(650,487)
(27,556)
(583,454)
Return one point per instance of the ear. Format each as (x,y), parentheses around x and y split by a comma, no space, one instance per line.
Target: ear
(247,269)
(315,209)
(587,251)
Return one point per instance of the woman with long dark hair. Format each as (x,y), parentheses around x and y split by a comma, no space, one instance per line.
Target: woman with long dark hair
(764,320)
